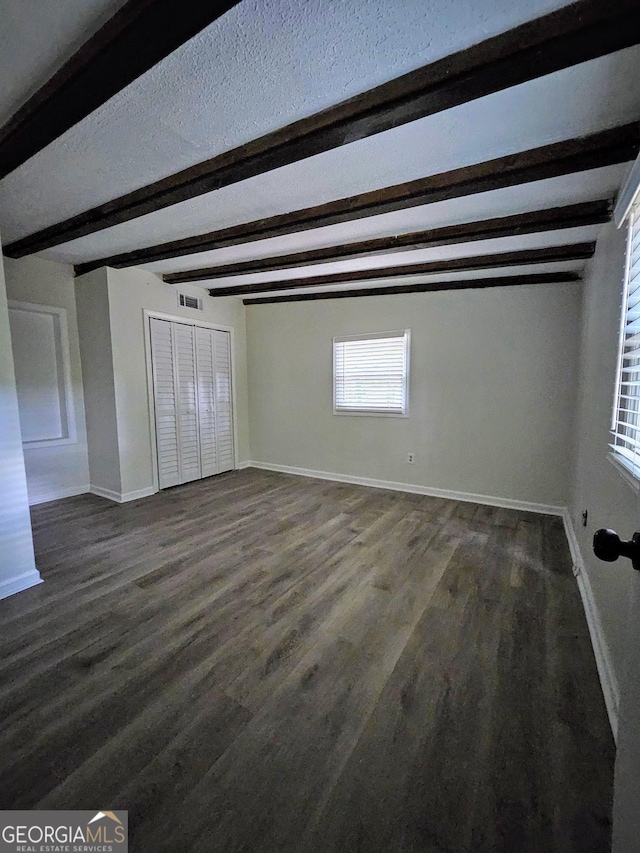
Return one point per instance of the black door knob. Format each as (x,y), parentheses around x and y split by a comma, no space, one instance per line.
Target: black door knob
(608,546)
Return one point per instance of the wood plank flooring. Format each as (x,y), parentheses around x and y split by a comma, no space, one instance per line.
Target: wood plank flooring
(261,662)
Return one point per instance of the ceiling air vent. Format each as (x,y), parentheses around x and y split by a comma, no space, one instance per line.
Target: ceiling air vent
(185,301)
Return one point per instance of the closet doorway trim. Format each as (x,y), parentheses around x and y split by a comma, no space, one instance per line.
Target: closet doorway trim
(187,321)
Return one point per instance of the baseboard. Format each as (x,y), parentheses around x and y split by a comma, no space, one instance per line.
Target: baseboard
(242,465)
(18,584)
(122,497)
(58,494)
(606,672)
(413,488)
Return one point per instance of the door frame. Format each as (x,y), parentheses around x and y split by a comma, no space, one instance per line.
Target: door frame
(186,321)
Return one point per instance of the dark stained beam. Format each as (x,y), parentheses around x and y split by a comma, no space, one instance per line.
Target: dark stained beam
(582,31)
(550,254)
(551,219)
(135,39)
(461,284)
(618,145)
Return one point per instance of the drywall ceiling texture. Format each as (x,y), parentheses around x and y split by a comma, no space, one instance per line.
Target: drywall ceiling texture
(569,103)
(259,67)
(37,38)
(438,253)
(553,192)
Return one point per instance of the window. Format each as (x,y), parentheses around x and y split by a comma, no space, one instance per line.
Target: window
(626,411)
(371,374)
(40,344)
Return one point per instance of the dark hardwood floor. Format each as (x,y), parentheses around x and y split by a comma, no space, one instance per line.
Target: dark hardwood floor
(261,662)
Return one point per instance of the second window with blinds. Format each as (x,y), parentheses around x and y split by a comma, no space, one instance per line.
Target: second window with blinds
(371,374)
(625,444)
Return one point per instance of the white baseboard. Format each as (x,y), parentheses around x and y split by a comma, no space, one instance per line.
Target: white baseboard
(242,465)
(58,494)
(122,497)
(413,488)
(606,672)
(18,584)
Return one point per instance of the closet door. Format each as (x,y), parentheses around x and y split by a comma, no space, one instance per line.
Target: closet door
(224,413)
(164,392)
(206,401)
(193,402)
(184,346)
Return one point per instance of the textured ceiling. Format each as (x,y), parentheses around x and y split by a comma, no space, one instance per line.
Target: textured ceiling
(36,39)
(532,269)
(569,189)
(266,63)
(569,103)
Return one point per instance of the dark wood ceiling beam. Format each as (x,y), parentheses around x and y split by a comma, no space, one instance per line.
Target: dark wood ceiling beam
(582,31)
(460,284)
(597,150)
(137,37)
(551,219)
(549,254)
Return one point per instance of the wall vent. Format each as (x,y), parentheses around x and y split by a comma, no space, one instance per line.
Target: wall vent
(185,301)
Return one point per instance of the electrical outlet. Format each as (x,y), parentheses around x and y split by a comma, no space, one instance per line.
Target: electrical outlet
(585,516)
(411,457)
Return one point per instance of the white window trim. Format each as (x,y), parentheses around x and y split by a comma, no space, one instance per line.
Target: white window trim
(628,194)
(370,413)
(625,473)
(628,206)
(67,384)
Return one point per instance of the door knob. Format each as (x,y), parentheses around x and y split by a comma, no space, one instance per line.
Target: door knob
(608,546)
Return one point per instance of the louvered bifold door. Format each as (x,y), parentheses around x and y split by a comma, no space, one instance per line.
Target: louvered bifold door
(187,397)
(224,413)
(164,391)
(206,401)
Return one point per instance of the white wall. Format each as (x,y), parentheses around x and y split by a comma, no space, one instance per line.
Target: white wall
(598,486)
(17,563)
(111,305)
(61,470)
(92,301)
(491,397)
(130,293)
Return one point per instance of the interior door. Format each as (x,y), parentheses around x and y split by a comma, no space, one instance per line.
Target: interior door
(193,401)
(187,399)
(626,799)
(205,352)
(166,409)
(224,410)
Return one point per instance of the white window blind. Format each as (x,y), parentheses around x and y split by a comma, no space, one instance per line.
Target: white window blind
(626,414)
(371,373)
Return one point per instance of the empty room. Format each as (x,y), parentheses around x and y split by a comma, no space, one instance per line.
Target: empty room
(320,426)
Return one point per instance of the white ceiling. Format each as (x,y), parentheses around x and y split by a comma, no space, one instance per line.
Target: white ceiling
(36,39)
(266,63)
(565,266)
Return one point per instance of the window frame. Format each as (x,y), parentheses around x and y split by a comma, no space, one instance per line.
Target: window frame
(371,336)
(626,467)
